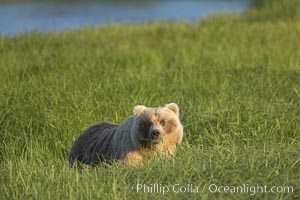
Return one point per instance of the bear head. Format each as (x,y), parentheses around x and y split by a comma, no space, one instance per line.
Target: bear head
(159,126)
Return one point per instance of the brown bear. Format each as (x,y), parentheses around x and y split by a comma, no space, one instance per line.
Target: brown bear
(149,131)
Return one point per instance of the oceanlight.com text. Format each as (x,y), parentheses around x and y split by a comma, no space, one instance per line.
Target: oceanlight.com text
(246,188)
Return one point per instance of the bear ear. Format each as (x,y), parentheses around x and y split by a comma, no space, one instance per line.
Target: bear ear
(174,107)
(138,110)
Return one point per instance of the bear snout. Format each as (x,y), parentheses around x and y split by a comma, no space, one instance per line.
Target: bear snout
(155,133)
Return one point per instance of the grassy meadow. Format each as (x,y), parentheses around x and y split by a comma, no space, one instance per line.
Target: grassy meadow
(235,77)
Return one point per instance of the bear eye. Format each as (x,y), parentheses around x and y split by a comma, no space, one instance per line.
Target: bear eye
(162,122)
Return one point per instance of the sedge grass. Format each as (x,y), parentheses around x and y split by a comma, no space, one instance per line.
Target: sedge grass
(236,79)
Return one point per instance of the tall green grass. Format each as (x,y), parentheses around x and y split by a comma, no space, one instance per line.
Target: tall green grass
(275,10)
(236,79)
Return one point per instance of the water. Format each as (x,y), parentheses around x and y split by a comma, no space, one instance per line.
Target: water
(48,15)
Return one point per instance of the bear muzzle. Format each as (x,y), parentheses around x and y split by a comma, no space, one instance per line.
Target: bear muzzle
(155,134)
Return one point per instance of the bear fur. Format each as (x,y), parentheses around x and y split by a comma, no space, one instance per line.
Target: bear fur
(147,132)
